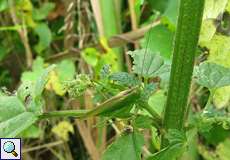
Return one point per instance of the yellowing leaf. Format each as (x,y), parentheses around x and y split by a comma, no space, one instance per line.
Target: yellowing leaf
(213,8)
(219,53)
(54,84)
(29,20)
(222,97)
(223,150)
(24,5)
(208,29)
(62,129)
(65,71)
(219,50)
(25,8)
(105,44)
(228,7)
(99,60)
(111,59)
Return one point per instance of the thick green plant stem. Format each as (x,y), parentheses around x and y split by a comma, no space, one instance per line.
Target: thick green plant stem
(185,46)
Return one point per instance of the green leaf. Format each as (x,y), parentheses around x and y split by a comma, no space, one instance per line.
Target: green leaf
(137,8)
(215,135)
(25,90)
(124,79)
(219,53)
(10,106)
(143,122)
(45,37)
(3,5)
(157,101)
(177,146)
(148,90)
(210,117)
(42,80)
(223,150)
(170,15)
(175,136)
(43,12)
(37,69)
(91,56)
(38,76)
(159,5)
(14,126)
(212,75)
(159,40)
(128,146)
(3,52)
(32,132)
(30,92)
(146,63)
(65,70)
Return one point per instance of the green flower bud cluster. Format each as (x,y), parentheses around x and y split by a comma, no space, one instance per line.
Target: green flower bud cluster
(77,86)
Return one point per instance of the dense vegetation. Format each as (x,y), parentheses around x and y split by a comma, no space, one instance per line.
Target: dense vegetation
(116,80)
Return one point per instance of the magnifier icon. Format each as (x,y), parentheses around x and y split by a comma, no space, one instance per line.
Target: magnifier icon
(9,147)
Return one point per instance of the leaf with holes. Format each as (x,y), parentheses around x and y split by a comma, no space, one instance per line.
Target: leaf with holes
(124,79)
(146,63)
(212,75)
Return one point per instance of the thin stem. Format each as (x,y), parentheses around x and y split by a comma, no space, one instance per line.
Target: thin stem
(48,145)
(66,113)
(22,33)
(153,113)
(133,18)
